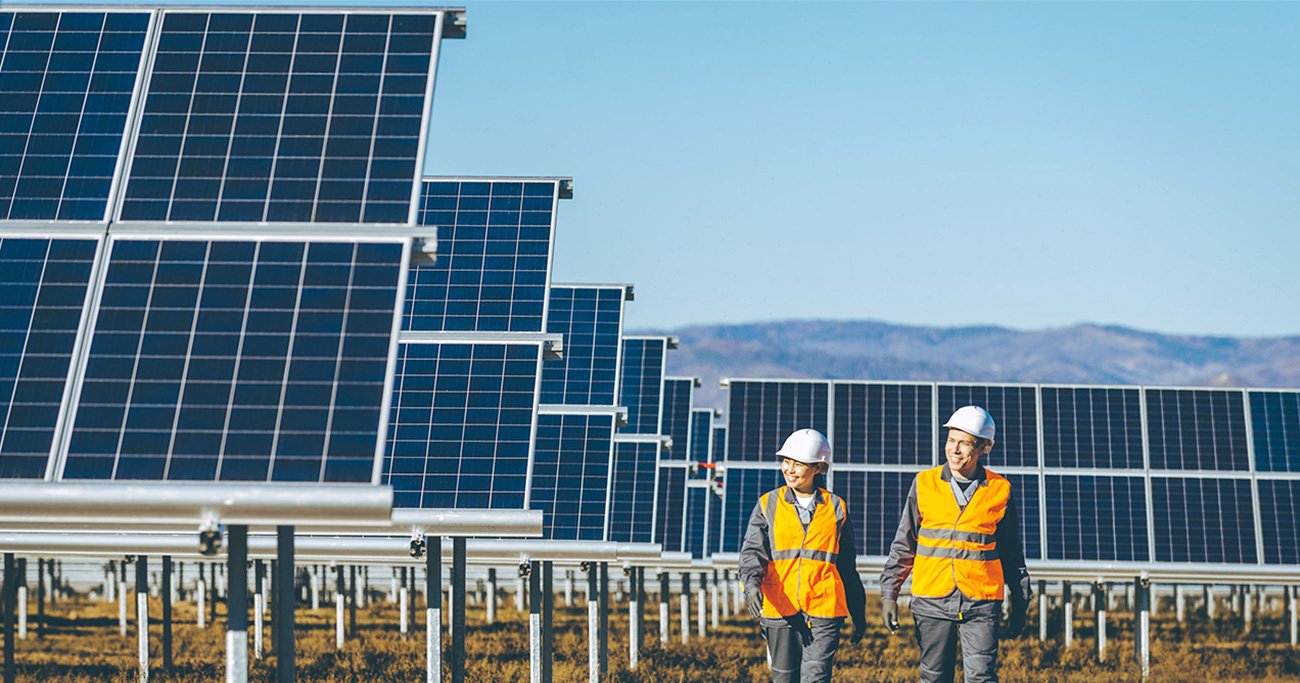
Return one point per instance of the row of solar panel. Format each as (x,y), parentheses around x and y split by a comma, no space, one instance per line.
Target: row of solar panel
(1055,426)
(238,115)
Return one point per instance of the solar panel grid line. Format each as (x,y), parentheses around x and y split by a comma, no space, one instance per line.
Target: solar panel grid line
(1146,471)
(94,208)
(1254,479)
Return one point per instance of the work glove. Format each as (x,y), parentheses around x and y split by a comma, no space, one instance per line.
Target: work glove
(754,602)
(859,630)
(889,612)
(1016,621)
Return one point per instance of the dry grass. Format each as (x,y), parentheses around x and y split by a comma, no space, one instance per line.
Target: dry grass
(83,645)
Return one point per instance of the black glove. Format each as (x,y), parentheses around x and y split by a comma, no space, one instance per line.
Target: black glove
(889,612)
(859,630)
(1016,621)
(754,602)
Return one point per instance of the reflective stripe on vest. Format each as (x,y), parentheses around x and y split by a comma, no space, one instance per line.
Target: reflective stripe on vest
(801,575)
(957,548)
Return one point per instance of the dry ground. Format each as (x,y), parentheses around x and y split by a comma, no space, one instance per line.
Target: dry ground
(82,644)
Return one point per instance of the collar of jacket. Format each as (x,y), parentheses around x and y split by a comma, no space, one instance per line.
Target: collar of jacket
(817,498)
(980,475)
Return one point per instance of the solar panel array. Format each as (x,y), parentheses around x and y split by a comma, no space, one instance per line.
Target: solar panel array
(1140,474)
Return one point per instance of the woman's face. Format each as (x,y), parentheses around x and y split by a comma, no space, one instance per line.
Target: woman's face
(800,476)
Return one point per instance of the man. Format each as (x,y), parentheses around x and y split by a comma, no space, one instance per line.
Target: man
(799,566)
(959,539)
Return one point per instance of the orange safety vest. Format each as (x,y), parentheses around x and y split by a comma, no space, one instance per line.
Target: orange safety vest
(957,548)
(801,576)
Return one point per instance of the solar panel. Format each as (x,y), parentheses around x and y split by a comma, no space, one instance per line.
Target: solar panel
(462,429)
(1014,410)
(696,525)
(631,515)
(1092,427)
(875,502)
(283,116)
(743,487)
(716,502)
(1203,520)
(571,474)
(670,507)
(237,360)
(590,318)
(762,413)
(44,282)
(1279,506)
(1196,429)
(1275,426)
(676,421)
(884,424)
(1097,518)
(641,383)
(1024,488)
(67,79)
(701,437)
(494,256)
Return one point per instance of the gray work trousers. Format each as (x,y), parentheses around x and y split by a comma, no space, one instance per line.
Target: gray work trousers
(979,648)
(800,653)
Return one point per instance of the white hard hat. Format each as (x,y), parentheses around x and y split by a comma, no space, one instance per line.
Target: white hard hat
(807,446)
(973,420)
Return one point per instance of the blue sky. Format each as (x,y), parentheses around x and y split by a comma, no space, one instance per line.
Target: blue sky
(1022,164)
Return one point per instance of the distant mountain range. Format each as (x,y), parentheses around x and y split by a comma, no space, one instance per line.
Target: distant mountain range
(1081,354)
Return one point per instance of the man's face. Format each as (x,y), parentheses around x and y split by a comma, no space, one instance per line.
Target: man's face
(963,452)
(799,476)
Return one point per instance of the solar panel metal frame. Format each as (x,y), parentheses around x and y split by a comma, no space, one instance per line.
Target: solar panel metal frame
(132,133)
(220,233)
(618,346)
(137,96)
(615,412)
(669,344)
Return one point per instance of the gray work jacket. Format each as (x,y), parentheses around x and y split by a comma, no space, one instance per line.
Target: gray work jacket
(956,605)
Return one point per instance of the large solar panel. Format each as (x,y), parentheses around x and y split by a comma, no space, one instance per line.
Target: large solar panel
(237,360)
(1279,507)
(1014,410)
(676,421)
(641,383)
(631,513)
(1092,427)
(590,318)
(1196,429)
(571,474)
(1203,520)
(283,116)
(670,507)
(743,487)
(884,424)
(67,81)
(462,429)
(763,413)
(44,283)
(1097,518)
(1275,426)
(494,256)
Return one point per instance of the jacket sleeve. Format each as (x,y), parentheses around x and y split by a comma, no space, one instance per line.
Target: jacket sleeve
(754,550)
(902,550)
(1012,555)
(847,565)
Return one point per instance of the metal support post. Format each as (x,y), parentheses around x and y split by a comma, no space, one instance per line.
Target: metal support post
(40,599)
(212,599)
(142,613)
(1067,602)
(237,605)
(1042,610)
(634,618)
(548,609)
(1099,599)
(568,588)
(283,643)
(1293,593)
(1180,601)
(603,609)
(663,608)
(165,592)
(1142,595)
(339,615)
(714,611)
(7,607)
(414,595)
(535,672)
(259,605)
(458,559)
(1247,613)
(352,600)
(519,594)
(121,600)
(593,624)
(701,604)
(492,596)
(1209,602)
(686,607)
(403,595)
(433,609)
(22,598)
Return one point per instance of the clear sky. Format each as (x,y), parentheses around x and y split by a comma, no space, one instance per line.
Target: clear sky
(1021,164)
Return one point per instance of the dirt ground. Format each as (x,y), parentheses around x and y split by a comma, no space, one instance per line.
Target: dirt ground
(82,644)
